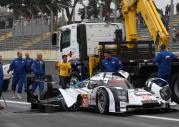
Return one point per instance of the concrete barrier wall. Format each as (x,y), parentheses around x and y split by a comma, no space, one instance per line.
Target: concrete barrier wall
(48,55)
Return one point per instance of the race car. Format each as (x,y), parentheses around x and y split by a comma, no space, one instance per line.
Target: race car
(109,92)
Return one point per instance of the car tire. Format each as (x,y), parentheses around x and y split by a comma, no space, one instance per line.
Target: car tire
(102,101)
(34,106)
(6,84)
(175,88)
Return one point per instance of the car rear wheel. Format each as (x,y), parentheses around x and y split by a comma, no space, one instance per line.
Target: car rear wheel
(102,101)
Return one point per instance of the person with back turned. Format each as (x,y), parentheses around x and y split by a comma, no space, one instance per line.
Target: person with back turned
(164,60)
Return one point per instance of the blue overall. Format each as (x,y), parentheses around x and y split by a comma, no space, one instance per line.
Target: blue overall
(111,65)
(38,68)
(1,79)
(29,62)
(164,60)
(18,66)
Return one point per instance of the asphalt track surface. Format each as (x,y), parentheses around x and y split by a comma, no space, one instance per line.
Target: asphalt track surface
(18,114)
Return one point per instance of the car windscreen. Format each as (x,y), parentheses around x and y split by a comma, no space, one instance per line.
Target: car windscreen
(119,83)
(95,83)
(79,85)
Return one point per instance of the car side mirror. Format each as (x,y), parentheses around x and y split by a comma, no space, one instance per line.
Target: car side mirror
(54,39)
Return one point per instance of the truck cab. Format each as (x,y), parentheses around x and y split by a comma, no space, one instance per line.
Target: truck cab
(79,41)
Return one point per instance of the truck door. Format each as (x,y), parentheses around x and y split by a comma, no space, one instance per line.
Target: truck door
(65,42)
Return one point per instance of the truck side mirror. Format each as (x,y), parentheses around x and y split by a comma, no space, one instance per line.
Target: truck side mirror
(54,39)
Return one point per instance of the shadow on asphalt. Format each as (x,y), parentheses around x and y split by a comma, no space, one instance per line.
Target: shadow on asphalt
(93,112)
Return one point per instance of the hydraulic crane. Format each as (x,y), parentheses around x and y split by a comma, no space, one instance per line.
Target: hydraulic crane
(147,8)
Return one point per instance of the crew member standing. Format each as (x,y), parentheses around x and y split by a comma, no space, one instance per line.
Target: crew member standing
(29,62)
(18,66)
(111,64)
(1,80)
(164,60)
(38,68)
(64,72)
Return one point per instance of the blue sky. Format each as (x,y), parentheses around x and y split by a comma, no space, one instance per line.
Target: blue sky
(162,3)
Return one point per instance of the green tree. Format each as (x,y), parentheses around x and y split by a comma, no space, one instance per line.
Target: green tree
(93,9)
(70,11)
(20,7)
(107,9)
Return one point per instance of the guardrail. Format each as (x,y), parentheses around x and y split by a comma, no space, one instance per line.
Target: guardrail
(48,55)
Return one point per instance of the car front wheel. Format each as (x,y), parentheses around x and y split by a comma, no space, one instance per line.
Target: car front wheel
(102,101)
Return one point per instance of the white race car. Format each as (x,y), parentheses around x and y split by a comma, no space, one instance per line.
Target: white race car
(108,92)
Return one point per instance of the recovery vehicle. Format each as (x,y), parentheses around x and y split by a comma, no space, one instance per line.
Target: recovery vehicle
(136,55)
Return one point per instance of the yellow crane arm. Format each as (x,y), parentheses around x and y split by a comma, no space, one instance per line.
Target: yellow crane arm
(151,17)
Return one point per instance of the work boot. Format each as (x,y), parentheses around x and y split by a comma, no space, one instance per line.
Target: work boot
(13,95)
(19,96)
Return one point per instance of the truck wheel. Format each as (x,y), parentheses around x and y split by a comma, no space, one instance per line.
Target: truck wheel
(6,85)
(102,101)
(175,88)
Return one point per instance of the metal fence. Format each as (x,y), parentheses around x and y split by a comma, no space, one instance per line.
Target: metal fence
(32,34)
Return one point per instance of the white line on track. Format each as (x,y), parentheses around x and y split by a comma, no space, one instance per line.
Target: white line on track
(141,116)
(159,118)
(16,102)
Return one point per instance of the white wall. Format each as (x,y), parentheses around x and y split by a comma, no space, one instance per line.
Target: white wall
(162,4)
(2,9)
